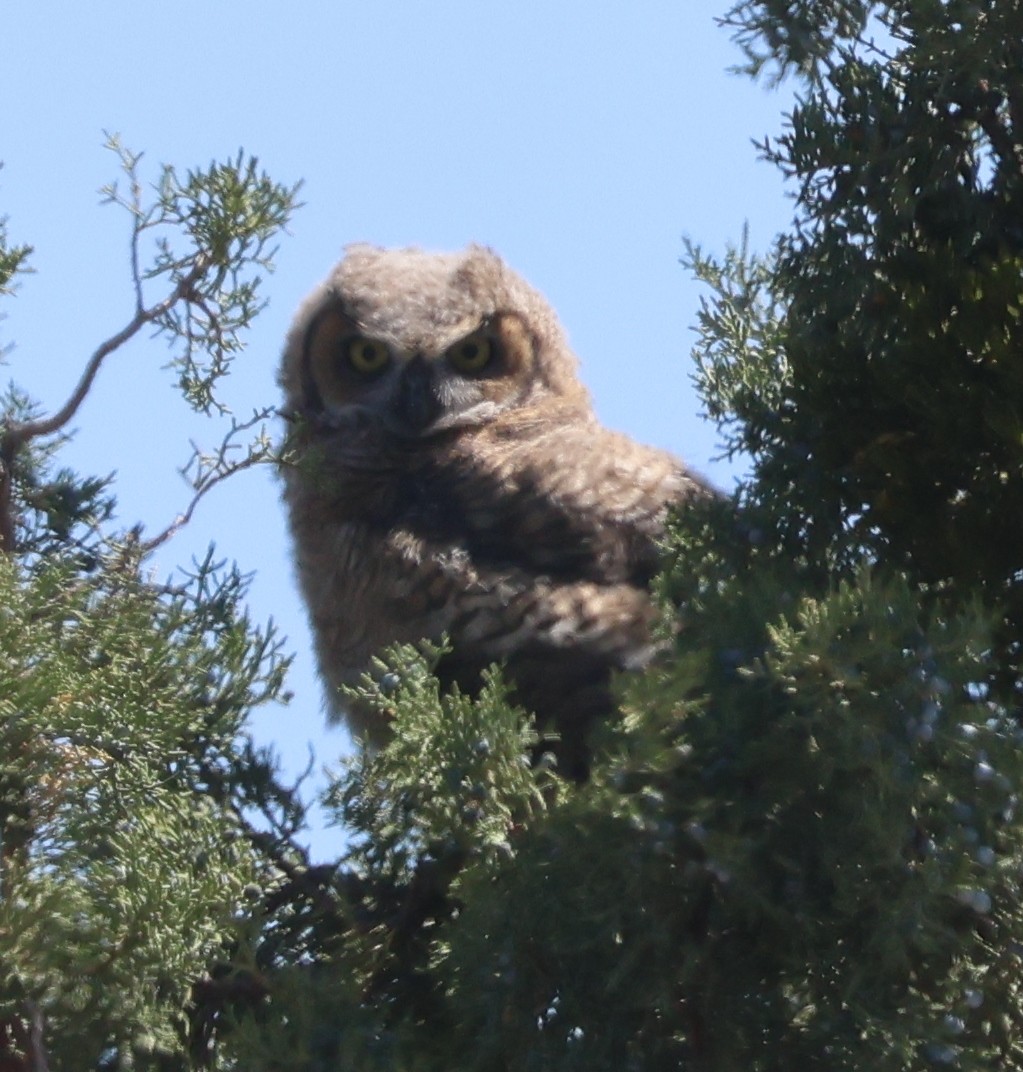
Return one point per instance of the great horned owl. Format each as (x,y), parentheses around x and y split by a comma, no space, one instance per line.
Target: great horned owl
(451,478)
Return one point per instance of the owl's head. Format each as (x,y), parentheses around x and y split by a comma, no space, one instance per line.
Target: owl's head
(423,343)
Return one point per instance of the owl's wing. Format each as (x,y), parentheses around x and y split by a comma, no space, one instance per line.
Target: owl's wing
(575,503)
(557,638)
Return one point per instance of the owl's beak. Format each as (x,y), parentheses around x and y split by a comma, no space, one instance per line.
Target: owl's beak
(416,405)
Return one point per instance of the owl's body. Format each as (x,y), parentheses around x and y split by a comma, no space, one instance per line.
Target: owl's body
(451,479)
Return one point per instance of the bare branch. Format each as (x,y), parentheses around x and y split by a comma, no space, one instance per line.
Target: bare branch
(136,231)
(213,469)
(6,514)
(148,546)
(19,433)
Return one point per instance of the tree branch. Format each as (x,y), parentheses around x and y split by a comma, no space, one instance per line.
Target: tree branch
(17,433)
(148,546)
(22,432)
(211,470)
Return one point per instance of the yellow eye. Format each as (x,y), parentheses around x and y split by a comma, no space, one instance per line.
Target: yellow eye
(367,356)
(472,354)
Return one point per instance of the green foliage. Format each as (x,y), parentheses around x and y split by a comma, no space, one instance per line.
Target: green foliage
(13,262)
(212,230)
(742,374)
(794,35)
(853,798)
(802,846)
(354,957)
(13,259)
(121,871)
(855,626)
(56,511)
(455,771)
(902,286)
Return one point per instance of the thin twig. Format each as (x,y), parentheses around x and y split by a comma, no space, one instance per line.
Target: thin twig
(208,474)
(136,230)
(146,547)
(6,485)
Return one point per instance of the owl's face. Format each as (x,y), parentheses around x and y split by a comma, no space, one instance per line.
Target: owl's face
(417,344)
(460,378)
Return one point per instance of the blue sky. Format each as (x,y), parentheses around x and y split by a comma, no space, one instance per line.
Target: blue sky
(581,141)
